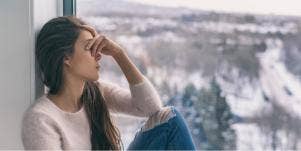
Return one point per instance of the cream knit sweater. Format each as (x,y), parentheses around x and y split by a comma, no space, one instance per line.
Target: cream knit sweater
(46,126)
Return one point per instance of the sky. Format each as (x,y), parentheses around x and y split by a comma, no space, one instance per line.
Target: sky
(276,7)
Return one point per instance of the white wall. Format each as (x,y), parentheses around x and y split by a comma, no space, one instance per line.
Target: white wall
(19,19)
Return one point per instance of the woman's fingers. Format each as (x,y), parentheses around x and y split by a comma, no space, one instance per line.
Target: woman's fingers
(96,44)
(91,43)
(99,42)
(102,45)
(90,29)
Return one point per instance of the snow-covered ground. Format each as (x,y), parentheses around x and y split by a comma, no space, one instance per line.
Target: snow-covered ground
(279,85)
(277,82)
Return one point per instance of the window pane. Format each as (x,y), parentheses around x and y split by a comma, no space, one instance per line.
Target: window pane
(235,77)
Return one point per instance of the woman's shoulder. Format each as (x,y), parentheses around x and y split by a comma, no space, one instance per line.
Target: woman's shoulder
(37,124)
(39,110)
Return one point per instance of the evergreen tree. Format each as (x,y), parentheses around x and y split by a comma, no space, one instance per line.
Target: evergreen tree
(216,118)
(192,116)
(208,116)
(189,93)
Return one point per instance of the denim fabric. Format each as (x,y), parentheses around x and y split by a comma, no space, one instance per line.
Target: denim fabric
(170,135)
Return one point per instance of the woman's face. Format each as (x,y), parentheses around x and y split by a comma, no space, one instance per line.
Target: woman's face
(82,64)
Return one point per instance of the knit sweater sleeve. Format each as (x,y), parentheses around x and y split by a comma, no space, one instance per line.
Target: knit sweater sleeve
(139,100)
(39,132)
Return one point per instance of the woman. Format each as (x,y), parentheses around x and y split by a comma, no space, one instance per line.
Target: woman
(75,112)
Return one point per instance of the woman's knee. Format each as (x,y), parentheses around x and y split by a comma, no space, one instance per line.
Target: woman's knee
(160,117)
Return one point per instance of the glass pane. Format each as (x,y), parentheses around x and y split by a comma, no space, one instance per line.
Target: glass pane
(235,77)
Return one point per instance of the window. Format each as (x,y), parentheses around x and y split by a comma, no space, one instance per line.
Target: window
(234,76)
(69,7)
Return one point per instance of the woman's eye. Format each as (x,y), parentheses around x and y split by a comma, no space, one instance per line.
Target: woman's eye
(86,43)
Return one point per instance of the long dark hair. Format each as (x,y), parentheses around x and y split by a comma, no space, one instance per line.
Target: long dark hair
(54,42)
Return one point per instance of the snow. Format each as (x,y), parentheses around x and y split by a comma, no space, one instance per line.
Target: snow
(249,137)
(275,78)
(272,79)
(227,27)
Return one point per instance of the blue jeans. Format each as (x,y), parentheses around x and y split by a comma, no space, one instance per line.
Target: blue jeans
(171,135)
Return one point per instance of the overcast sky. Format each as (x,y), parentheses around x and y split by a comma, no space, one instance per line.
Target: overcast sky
(280,7)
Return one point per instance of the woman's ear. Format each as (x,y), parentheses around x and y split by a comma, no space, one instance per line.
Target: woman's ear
(67,61)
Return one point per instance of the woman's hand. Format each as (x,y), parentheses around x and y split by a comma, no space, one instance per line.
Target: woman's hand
(106,46)
(102,44)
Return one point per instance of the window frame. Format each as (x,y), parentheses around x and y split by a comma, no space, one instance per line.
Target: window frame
(69,7)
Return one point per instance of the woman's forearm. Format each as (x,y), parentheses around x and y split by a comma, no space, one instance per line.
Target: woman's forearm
(131,72)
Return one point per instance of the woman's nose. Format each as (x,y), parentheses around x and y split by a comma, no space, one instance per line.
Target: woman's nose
(98,56)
